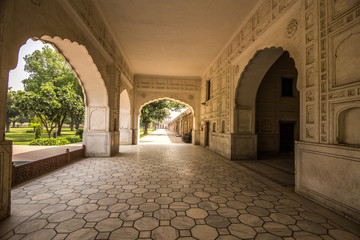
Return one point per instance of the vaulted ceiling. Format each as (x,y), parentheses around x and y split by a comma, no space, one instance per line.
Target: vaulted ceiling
(173,37)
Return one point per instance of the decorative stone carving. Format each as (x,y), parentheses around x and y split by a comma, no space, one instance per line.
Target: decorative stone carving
(36,2)
(309,36)
(291,28)
(308,3)
(340,6)
(347,60)
(310,114)
(310,133)
(310,54)
(310,96)
(310,77)
(309,19)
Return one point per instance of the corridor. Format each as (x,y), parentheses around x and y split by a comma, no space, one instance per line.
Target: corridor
(165,191)
(161,136)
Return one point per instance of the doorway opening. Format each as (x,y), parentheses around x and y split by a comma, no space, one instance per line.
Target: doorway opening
(287,136)
(207,138)
(45,105)
(165,121)
(277,120)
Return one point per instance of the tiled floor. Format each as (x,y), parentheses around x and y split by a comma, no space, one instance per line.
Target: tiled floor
(169,191)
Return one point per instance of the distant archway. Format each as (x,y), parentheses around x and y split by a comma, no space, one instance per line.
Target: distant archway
(125,119)
(138,113)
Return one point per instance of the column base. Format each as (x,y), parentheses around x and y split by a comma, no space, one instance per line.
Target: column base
(243,146)
(126,136)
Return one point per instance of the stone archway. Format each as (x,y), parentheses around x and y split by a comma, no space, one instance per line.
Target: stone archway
(96,137)
(277,109)
(138,113)
(245,138)
(125,119)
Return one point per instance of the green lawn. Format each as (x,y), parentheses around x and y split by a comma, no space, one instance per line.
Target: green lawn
(19,136)
(142,132)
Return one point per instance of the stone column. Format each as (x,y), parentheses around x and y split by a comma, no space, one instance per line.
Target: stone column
(5,146)
(97,137)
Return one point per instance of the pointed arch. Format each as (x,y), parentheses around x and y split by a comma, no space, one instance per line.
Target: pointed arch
(125,119)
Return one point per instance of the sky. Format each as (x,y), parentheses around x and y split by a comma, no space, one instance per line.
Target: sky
(18,74)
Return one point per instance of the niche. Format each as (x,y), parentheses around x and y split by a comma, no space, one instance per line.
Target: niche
(349,127)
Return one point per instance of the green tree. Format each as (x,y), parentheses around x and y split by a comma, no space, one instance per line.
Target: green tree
(50,104)
(157,111)
(47,66)
(12,112)
(71,105)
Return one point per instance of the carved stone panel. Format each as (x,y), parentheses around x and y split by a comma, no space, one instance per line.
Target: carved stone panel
(310,77)
(310,55)
(97,120)
(339,7)
(310,114)
(346,58)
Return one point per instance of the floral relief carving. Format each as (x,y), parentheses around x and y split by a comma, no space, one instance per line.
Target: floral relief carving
(291,28)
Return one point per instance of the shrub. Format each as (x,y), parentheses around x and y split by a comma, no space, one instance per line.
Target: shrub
(37,129)
(30,131)
(79,132)
(73,139)
(50,141)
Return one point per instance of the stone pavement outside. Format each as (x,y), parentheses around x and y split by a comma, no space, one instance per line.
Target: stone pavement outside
(161,136)
(165,191)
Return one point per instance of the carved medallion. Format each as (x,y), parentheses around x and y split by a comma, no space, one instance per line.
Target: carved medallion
(291,28)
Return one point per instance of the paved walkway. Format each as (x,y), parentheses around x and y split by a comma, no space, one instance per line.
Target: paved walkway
(161,136)
(165,191)
(27,153)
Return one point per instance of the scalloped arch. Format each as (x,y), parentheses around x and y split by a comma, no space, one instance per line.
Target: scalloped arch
(167,98)
(254,72)
(82,64)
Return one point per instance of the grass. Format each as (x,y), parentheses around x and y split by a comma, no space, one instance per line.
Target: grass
(19,136)
(142,132)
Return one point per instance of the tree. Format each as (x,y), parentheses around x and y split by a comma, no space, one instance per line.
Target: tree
(47,66)
(71,105)
(157,111)
(11,111)
(49,104)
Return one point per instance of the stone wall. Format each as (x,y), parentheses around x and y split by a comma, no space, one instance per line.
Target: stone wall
(328,172)
(183,123)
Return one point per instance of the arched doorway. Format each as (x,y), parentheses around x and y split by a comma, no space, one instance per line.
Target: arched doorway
(277,109)
(245,139)
(178,125)
(125,119)
(96,137)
